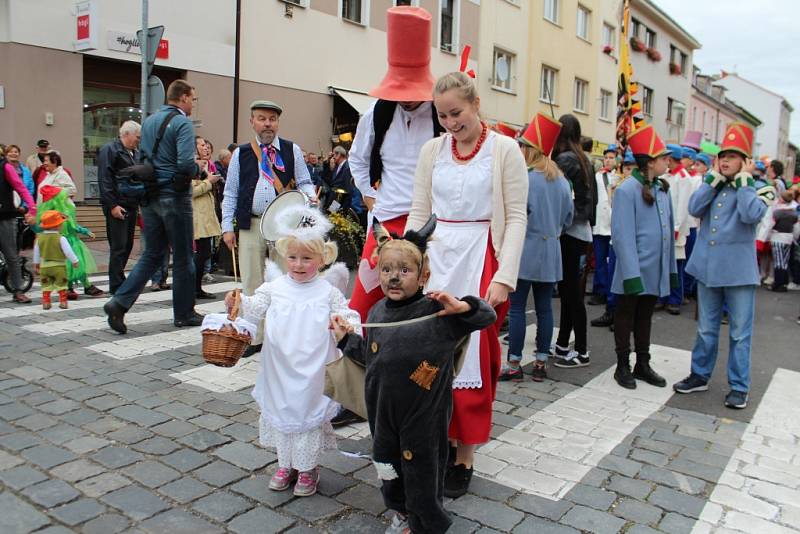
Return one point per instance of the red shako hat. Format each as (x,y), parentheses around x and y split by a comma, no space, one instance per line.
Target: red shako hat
(738,138)
(408,35)
(542,133)
(646,142)
(505,129)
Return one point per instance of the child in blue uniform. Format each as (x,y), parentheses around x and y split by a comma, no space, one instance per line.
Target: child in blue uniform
(724,264)
(644,243)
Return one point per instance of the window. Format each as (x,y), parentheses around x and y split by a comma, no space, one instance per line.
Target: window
(548,89)
(636,28)
(675,111)
(583,23)
(581,87)
(448,26)
(684,62)
(502,69)
(354,10)
(647,100)
(551,10)
(605,104)
(649,38)
(608,35)
(406,2)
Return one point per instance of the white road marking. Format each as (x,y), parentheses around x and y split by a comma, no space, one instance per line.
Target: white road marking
(759,491)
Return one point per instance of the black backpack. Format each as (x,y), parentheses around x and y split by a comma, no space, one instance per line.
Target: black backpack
(382,117)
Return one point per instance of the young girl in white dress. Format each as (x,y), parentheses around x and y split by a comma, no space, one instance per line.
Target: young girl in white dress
(297,308)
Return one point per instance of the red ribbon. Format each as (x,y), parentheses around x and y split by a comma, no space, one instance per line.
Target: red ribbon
(464,59)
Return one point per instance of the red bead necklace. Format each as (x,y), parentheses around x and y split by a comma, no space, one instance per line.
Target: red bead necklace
(481,139)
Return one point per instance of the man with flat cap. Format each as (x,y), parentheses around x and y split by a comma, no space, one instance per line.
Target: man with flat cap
(259,171)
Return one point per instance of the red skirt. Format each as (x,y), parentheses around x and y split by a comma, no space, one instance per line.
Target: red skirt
(472,408)
(361,301)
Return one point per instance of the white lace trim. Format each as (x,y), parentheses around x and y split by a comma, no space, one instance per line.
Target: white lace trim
(468,384)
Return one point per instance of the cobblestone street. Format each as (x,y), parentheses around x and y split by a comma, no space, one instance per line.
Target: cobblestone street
(101,433)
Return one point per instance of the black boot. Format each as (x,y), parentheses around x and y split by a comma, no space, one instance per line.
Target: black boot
(622,374)
(456,480)
(607,319)
(643,371)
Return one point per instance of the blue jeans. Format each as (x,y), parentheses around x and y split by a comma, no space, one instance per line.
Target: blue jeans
(689,283)
(161,274)
(741,304)
(542,302)
(167,222)
(601,284)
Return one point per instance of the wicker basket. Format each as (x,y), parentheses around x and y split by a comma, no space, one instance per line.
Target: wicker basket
(224,347)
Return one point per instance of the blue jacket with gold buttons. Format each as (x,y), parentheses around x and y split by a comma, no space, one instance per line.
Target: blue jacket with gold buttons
(644,239)
(724,253)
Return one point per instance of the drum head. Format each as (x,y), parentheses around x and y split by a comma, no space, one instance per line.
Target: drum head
(286,199)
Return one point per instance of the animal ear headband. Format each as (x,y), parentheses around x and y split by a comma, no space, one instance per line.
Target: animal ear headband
(418,238)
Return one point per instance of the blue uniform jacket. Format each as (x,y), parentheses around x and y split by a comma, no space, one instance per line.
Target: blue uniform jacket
(644,240)
(724,253)
(177,150)
(550,212)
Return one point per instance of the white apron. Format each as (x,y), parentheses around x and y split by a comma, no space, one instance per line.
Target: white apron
(297,346)
(462,201)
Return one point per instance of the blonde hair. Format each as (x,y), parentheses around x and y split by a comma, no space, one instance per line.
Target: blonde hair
(460,81)
(327,250)
(404,247)
(536,159)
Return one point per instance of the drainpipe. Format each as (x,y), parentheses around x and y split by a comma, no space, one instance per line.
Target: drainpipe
(236,70)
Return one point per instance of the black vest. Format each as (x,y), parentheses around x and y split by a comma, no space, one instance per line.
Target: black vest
(249,175)
(382,116)
(7,209)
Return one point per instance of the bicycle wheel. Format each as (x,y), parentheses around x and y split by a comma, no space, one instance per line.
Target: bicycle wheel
(27,278)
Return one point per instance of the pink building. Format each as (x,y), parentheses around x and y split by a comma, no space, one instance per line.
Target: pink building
(711,112)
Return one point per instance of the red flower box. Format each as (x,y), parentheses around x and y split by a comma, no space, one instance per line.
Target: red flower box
(653,54)
(608,49)
(674,69)
(637,45)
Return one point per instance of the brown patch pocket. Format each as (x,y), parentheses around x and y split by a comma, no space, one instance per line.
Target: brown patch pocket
(424,375)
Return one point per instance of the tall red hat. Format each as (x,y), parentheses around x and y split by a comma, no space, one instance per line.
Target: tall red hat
(505,129)
(409,78)
(542,133)
(48,192)
(738,138)
(646,142)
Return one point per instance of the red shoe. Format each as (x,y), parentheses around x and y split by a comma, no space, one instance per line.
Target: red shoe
(282,479)
(72,295)
(306,483)
(63,298)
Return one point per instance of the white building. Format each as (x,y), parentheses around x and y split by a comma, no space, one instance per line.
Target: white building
(772,109)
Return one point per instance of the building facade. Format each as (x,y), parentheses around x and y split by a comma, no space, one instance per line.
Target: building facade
(662,60)
(710,111)
(76,92)
(772,109)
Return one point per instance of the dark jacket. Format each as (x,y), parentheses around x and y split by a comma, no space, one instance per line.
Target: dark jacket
(112,158)
(341,180)
(584,199)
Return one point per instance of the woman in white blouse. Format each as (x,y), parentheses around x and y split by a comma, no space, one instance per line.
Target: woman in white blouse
(476,182)
(56,176)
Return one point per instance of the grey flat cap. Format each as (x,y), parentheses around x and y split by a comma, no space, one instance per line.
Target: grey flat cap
(266,104)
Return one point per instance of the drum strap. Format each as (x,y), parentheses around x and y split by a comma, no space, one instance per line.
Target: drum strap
(400,323)
(257,150)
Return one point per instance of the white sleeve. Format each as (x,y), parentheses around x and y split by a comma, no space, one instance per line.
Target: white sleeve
(359,155)
(231,193)
(36,258)
(301,175)
(339,307)
(67,250)
(254,308)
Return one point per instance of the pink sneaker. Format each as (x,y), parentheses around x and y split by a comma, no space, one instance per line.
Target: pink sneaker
(282,479)
(307,483)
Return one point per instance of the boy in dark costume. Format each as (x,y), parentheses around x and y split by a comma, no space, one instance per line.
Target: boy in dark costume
(410,369)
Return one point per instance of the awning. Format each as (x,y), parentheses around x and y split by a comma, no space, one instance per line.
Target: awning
(357,101)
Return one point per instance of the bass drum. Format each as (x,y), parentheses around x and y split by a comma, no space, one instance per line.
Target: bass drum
(269,228)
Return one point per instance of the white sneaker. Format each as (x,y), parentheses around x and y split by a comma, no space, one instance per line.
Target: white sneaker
(793,287)
(399,525)
(572,360)
(768,281)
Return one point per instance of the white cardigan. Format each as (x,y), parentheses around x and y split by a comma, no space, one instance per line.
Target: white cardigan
(509,201)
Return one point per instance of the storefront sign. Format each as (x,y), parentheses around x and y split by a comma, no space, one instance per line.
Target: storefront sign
(86,22)
(129,43)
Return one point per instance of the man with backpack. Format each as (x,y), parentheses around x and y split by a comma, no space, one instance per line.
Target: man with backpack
(383,156)
(168,146)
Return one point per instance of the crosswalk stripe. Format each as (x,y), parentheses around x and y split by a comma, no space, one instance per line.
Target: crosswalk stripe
(759,486)
(54,328)
(89,303)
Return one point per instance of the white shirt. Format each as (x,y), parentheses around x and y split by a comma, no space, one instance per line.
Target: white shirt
(264,193)
(399,153)
(602,225)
